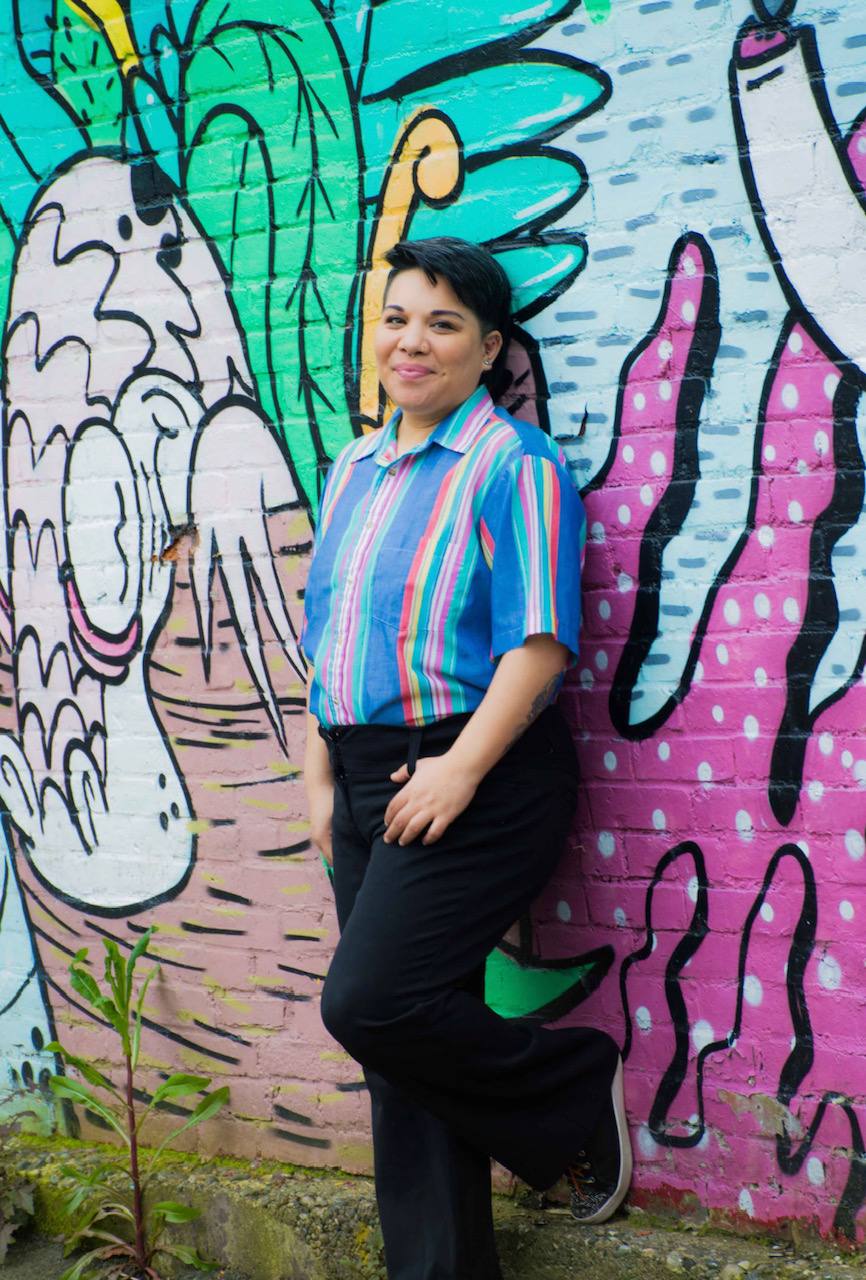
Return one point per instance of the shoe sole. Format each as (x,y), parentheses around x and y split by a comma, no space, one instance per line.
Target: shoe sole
(610,1206)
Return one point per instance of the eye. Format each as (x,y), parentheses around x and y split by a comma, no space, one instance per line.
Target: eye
(444,324)
(393,319)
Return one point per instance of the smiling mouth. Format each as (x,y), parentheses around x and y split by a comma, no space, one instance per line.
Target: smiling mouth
(412,372)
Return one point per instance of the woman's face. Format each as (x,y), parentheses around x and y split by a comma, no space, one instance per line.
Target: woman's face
(430,350)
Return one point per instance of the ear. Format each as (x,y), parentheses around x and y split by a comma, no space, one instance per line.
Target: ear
(491,344)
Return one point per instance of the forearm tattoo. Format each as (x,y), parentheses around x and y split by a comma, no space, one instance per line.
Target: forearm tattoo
(539,702)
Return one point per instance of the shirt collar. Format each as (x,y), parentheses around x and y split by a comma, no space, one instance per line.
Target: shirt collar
(458,431)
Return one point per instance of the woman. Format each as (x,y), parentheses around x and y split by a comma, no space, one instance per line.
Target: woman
(441,610)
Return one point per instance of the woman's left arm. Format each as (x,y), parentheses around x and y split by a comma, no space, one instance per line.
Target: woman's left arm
(443,786)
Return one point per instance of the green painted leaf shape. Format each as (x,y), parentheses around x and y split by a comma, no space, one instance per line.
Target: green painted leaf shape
(157,123)
(86,73)
(408,44)
(499,106)
(513,991)
(541,272)
(273,176)
(534,188)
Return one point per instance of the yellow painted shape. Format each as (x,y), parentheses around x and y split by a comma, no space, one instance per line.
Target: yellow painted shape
(292,890)
(334,1055)
(270,806)
(425,165)
(220,993)
(108,17)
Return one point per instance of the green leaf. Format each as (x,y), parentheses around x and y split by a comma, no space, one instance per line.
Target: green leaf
(173,1212)
(184,1253)
(179,1085)
(208,1107)
(135,1047)
(115,975)
(286,225)
(85,984)
(137,952)
(64,1087)
(84,1068)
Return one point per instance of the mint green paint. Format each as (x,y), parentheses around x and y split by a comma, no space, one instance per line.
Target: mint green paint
(514,991)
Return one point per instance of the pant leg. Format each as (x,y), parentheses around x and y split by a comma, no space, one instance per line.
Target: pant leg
(427,915)
(432,1188)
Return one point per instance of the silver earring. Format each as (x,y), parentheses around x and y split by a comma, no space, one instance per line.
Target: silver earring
(487,363)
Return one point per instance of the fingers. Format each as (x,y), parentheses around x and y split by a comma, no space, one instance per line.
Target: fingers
(402,774)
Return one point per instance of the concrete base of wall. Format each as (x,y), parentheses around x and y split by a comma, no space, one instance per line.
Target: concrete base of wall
(277,1222)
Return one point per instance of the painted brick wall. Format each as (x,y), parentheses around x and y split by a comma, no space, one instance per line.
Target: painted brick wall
(195,202)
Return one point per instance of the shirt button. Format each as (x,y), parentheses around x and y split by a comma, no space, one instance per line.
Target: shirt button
(392,471)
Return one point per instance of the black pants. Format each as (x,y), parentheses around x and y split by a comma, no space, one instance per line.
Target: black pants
(451,1082)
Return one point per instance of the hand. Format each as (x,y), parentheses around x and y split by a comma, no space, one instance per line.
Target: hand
(320,802)
(438,791)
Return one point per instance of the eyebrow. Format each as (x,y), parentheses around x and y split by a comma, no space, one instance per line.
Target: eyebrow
(395,306)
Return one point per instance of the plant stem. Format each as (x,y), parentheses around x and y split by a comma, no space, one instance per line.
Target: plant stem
(137,1198)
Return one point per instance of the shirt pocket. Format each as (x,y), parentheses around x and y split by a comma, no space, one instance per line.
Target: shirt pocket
(405,589)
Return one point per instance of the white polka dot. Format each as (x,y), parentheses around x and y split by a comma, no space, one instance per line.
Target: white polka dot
(705,771)
(624,582)
(802,466)
(722,654)
(587,679)
(767,912)
(825,744)
(861,144)
(609,761)
(687,311)
(829,973)
(643,1018)
(619,917)
(604,609)
(770,452)
(822,443)
(746,1203)
(601,660)
(816,790)
(731,612)
(795,342)
(744,826)
(624,514)
(596,531)
(664,750)
(791,609)
(760,677)
(804,845)
(702,1034)
(658,819)
(846,909)
(692,889)
(753,992)
(658,462)
(761,604)
(646,495)
(563,910)
(699,673)
(606,844)
(639,400)
(847,759)
(665,389)
(628,453)
(646,1141)
(665,349)
(815,1171)
(855,844)
(151,99)
(831,382)
(689,265)
(859,771)
(790,396)
(766,536)
(795,512)
(751,728)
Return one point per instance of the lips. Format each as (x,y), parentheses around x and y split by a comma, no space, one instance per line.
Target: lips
(412,372)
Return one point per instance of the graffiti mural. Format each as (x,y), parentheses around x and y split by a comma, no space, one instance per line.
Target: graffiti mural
(196,206)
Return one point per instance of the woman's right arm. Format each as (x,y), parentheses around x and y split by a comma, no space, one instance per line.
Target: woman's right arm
(319,785)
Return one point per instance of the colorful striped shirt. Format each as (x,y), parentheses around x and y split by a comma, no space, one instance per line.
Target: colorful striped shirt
(430,566)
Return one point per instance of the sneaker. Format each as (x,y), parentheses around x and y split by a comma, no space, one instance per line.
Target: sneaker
(599,1178)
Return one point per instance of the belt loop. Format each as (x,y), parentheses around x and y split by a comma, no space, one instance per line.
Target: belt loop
(415,735)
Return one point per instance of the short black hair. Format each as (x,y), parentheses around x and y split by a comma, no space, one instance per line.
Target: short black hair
(477,279)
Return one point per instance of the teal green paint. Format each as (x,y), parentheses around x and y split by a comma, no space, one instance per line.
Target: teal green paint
(86,74)
(598,10)
(514,991)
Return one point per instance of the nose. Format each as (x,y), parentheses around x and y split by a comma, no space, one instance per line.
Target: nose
(413,337)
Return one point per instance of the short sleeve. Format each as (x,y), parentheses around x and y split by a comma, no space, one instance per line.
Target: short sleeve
(533,533)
